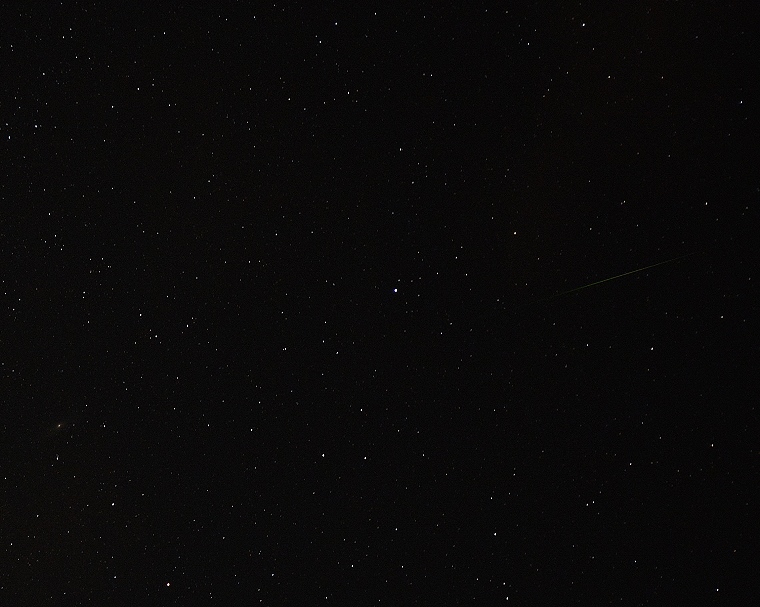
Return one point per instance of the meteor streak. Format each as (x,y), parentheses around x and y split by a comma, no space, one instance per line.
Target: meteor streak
(598,282)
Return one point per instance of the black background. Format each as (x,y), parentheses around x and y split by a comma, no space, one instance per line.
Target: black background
(284,310)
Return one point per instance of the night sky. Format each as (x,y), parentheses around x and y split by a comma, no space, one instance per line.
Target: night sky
(298,304)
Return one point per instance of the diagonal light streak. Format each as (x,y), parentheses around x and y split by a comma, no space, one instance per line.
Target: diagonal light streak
(598,282)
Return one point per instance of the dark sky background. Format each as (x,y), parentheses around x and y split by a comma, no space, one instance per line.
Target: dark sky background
(283,316)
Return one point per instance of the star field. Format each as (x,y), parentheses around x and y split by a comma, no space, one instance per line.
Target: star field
(310,304)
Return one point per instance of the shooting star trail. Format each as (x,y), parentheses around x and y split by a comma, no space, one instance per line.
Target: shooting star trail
(598,282)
